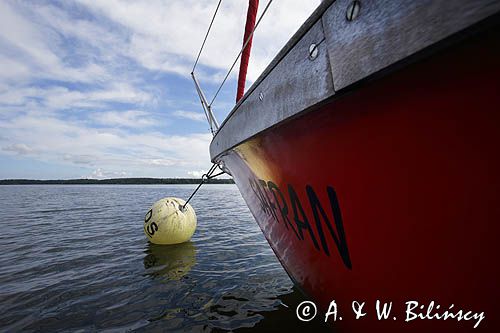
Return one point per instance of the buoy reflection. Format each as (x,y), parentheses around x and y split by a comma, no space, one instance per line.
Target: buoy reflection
(170,261)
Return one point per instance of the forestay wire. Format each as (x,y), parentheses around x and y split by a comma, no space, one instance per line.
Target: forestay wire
(239,54)
(210,174)
(206,36)
(241,51)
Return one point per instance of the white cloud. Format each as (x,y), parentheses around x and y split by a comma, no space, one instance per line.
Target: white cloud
(81,81)
(71,142)
(159,35)
(197,173)
(57,97)
(130,118)
(12,68)
(19,148)
(37,48)
(166,162)
(99,173)
(166,35)
(79,159)
(197,116)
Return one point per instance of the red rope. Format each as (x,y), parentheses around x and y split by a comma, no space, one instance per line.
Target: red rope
(251,16)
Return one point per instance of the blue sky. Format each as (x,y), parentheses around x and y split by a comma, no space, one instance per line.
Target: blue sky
(101,89)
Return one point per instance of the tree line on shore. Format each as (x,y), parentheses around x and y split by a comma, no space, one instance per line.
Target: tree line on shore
(124,181)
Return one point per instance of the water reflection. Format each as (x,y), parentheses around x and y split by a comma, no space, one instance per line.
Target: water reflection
(170,261)
(77,279)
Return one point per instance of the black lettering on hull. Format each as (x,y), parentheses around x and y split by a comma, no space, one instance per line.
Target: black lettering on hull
(275,204)
(339,238)
(302,222)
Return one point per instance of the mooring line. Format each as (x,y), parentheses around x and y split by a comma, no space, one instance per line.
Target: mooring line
(207,176)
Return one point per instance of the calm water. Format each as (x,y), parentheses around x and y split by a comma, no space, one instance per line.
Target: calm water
(75,258)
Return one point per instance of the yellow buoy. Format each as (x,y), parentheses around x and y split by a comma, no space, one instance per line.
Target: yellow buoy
(168,223)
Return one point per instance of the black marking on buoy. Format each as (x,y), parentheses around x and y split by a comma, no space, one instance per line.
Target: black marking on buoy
(146,218)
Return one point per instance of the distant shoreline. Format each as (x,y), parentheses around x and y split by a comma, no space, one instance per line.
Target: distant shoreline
(113,181)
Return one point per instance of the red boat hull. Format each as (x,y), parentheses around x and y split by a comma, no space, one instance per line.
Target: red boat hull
(389,192)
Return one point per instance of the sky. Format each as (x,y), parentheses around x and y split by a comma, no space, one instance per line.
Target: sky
(102,89)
